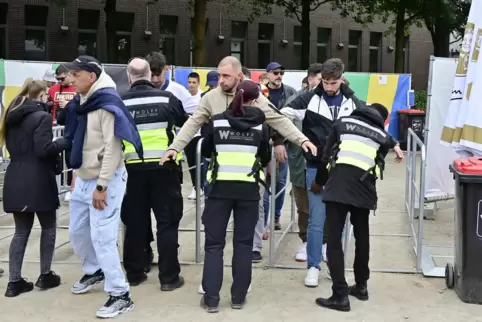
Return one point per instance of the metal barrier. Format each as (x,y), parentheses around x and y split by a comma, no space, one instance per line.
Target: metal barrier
(415,198)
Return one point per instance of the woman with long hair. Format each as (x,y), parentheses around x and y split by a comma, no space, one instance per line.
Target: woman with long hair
(237,142)
(30,186)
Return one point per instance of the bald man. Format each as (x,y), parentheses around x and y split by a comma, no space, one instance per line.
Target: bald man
(151,186)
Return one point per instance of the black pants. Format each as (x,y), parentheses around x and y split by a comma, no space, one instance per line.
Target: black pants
(159,190)
(190,151)
(215,219)
(335,222)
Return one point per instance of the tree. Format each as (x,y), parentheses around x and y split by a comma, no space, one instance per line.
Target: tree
(199,7)
(298,9)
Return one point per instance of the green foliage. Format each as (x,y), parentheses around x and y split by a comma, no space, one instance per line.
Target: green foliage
(292,8)
(421,99)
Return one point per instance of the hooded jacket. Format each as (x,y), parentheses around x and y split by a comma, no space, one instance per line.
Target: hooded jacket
(234,189)
(30,184)
(217,101)
(344,184)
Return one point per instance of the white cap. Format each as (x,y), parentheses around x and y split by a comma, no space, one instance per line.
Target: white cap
(49,76)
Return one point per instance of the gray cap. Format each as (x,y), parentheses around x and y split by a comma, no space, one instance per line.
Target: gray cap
(49,76)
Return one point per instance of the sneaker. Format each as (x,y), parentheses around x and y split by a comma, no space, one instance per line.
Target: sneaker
(172,286)
(257,258)
(301,255)
(115,305)
(238,306)
(265,234)
(324,257)
(48,281)
(277,225)
(209,306)
(200,289)
(1,271)
(68,196)
(17,288)
(192,195)
(312,276)
(87,282)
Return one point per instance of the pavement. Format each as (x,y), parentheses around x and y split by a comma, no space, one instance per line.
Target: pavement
(277,294)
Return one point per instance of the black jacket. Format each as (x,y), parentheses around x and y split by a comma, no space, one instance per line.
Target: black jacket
(344,183)
(30,184)
(311,109)
(149,104)
(232,189)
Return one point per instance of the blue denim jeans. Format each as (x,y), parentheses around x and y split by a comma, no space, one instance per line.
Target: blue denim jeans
(316,222)
(280,184)
(94,233)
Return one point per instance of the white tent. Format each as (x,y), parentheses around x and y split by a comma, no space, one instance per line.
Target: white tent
(463,127)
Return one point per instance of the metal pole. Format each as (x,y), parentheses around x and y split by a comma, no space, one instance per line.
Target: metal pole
(272,210)
(293,208)
(198,201)
(408,175)
(421,219)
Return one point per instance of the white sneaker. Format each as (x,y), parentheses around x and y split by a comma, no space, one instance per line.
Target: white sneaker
(324,257)
(312,276)
(301,255)
(192,195)
(67,196)
(200,289)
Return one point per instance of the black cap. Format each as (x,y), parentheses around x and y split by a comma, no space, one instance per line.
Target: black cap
(87,63)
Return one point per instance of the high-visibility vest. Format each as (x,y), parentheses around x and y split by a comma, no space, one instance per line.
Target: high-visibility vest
(358,145)
(236,153)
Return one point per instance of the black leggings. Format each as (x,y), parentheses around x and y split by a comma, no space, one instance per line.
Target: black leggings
(23,227)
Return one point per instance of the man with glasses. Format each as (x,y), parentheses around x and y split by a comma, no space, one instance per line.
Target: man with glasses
(60,94)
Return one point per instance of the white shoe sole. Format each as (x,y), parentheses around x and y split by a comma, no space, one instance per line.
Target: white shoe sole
(311,284)
(115,314)
(301,260)
(85,290)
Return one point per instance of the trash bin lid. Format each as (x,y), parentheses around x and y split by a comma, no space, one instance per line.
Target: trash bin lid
(471,166)
(411,111)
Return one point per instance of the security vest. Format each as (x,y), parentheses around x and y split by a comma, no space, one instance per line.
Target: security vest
(153,121)
(358,146)
(235,158)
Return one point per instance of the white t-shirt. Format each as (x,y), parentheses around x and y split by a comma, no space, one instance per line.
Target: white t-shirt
(188,102)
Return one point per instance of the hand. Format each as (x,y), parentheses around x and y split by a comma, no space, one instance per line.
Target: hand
(99,199)
(399,153)
(169,154)
(315,188)
(280,153)
(308,146)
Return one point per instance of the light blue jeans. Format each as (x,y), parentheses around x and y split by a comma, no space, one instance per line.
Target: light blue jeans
(316,222)
(93,233)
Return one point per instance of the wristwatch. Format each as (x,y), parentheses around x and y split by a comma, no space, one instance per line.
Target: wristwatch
(101,188)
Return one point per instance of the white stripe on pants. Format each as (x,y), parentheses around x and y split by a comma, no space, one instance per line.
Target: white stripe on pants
(93,233)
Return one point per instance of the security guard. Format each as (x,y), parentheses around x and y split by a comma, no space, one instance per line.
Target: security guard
(149,185)
(354,153)
(237,142)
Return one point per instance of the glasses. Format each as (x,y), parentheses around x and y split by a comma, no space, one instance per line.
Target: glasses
(278,73)
(60,79)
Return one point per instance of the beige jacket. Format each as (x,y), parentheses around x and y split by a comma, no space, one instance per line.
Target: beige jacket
(216,101)
(102,153)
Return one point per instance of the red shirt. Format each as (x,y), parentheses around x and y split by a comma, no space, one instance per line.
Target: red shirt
(55,92)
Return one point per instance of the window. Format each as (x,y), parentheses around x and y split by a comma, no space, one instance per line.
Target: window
(297,41)
(88,24)
(354,40)
(36,32)
(406,52)
(265,43)
(323,44)
(124,23)
(192,43)
(376,52)
(238,38)
(3,30)
(168,32)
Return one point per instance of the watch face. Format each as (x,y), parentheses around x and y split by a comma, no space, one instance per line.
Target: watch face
(100,188)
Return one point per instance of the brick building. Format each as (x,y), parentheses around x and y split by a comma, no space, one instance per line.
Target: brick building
(35,30)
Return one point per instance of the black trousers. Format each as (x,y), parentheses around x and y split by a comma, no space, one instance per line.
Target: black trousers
(215,219)
(335,222)
(190,151)
(159,190)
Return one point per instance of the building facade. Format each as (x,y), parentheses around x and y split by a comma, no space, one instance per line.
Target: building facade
(34,30)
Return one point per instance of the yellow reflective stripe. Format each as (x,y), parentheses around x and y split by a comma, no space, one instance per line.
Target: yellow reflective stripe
(229,176)
(358,147)
(237,159)
(154,160)
(354,162)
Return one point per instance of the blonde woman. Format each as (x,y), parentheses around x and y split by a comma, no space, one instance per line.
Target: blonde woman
(30,186)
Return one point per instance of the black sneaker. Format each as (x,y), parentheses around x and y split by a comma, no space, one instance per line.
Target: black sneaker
(137,281)
(115,305)
(277,225)
(257,258)
(87,282)
(172,286)
(17,288)
(238,305)
(209,306)
(359,291)
(47,281)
